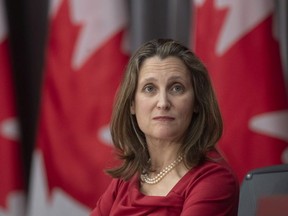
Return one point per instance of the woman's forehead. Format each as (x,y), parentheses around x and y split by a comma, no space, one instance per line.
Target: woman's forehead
(169,64)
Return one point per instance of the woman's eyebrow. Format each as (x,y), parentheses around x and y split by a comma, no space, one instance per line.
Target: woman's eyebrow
(148,79)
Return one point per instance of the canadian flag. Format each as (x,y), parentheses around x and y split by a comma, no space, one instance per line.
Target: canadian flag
(85,62)
(237,41)
(11,182)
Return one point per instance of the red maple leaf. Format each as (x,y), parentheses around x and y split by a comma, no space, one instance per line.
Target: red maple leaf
(248,80)
(76,104)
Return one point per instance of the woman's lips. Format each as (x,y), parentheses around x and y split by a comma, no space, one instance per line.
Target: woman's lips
(163,118)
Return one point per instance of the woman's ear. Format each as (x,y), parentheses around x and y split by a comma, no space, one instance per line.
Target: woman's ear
(132,108)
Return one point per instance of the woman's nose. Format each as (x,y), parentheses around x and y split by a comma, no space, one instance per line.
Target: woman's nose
(163,101)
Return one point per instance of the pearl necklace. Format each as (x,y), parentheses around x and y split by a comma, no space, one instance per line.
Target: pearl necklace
(145,178)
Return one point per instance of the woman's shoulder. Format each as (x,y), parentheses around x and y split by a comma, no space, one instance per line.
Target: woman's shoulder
(214,171)
(120,185)
(214,165)
(218,160)
(211,186)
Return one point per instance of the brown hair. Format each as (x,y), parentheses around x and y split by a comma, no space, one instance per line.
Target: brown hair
(203,132)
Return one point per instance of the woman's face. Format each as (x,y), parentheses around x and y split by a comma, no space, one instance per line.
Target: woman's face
(164,99)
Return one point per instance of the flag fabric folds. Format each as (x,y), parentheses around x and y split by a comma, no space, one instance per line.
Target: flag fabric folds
(237,40)
(11,182)
(84,63)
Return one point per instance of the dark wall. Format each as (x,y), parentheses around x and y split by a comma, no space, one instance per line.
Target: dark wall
(151,19)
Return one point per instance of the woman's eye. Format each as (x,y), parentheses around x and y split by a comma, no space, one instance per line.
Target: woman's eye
(177,88)
(149,88)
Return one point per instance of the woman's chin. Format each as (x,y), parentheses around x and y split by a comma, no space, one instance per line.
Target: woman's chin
(168,136)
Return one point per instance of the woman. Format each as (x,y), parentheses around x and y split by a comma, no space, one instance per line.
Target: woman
(165,125)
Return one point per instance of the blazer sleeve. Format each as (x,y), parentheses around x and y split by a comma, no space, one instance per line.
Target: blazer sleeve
(105,202)
(214,192)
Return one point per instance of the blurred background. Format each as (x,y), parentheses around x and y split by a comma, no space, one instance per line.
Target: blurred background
(61,62)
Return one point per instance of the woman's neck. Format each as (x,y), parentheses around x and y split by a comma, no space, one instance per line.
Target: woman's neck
(162,154)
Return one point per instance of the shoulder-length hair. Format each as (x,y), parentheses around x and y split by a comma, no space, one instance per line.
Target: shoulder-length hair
(203,132)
